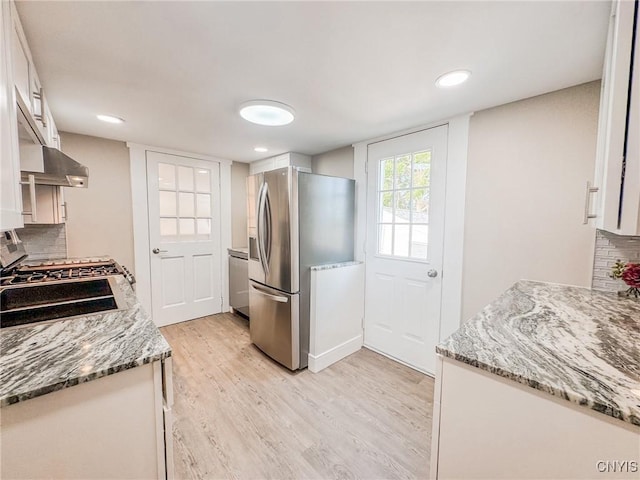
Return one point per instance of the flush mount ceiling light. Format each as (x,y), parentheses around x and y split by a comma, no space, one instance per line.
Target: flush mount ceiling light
(267,112)
(261,149)
(110,119)
(452,79)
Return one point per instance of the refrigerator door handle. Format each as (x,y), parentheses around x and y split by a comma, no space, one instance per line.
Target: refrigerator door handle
(277,298)
(262,197)
(268,222)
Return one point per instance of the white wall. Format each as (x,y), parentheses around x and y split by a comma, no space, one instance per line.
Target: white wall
(239,172)
(528,165)
(338,163)
(100,216)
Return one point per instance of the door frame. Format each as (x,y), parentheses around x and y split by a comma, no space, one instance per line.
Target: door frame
(141,245)
(455,189)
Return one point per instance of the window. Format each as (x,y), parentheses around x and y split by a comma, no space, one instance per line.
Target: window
(185,202)
(403,205)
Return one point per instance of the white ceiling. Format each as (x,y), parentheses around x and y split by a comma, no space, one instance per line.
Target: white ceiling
(177,71)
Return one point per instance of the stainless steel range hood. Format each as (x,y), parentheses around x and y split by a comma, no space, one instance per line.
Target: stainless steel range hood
(59,169)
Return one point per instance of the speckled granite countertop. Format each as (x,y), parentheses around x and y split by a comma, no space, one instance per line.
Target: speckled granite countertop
(572,342)
(42,358)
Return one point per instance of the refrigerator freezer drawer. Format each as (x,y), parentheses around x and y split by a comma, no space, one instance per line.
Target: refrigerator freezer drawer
(275,324)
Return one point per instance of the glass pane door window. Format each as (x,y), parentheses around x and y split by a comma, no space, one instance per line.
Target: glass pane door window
(403,205)
(185,203)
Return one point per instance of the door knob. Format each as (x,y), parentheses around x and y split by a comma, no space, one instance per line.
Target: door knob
(157,251)
(432,273)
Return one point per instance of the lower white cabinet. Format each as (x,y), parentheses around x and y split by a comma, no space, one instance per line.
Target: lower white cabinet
(485,426)
(115,427)
(50,207)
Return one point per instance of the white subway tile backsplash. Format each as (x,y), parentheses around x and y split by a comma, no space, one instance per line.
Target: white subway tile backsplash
(609,249)
(44,242)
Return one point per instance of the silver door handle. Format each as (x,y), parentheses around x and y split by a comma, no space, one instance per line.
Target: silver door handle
(157,251)
(432,273)
(587,203)
(262,253)
(34,200)
(277,298)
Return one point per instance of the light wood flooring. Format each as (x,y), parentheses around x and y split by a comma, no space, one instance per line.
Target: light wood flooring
(239,415)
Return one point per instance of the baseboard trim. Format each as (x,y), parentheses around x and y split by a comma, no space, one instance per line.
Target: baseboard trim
(322,361)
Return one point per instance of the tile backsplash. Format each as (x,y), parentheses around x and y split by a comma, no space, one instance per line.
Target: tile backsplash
(609,249)
(44,242)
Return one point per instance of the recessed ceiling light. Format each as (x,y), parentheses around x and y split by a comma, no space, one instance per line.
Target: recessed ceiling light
(267,112)
(110,119)
(261,149)
(452,79)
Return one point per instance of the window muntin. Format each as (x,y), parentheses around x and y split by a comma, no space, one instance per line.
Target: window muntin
(184,195)
(403,205)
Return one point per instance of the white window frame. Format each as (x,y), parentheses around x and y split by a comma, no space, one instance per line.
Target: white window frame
(410,223)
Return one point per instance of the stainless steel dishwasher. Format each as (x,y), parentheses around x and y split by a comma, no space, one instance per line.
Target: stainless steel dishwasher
(239,280)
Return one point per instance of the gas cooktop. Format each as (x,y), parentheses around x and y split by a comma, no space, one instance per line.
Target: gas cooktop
(64,270)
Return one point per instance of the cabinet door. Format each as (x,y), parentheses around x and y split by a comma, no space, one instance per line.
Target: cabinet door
(110,427)
(50,208)
(20,59)
(619,198)
(10,197)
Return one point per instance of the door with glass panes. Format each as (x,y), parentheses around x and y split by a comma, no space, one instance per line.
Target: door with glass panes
(184,237)
(405,234)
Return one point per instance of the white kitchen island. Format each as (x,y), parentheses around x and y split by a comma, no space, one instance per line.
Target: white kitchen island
(542,383)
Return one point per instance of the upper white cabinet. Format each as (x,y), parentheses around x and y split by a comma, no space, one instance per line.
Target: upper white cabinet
(30,96)
(285,160)
(618,152)
(10,190)
(26,125)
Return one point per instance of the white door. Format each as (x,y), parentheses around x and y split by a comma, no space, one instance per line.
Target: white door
(405,234)
(184,237)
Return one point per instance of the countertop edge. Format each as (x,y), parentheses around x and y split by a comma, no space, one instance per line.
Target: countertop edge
(330,266)
(19,397)
(576,399)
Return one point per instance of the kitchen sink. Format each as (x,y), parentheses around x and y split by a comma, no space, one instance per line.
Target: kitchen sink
(25,304)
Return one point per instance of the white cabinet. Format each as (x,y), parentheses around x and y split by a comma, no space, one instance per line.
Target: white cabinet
(21,64)
(10,194)
(26,125)
(303,162)
(29,93)
(618,151)
(118,426)
(50,207)
(485,426)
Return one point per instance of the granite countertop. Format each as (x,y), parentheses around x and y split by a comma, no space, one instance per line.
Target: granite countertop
(574,343)
(330,266)
(41,358)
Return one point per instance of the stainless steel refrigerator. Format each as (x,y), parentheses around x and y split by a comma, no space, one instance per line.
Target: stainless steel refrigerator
(295,220)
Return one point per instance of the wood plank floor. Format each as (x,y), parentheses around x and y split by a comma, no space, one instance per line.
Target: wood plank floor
(239,415)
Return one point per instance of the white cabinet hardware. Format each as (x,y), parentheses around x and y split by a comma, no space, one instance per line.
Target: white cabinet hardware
(587,203)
